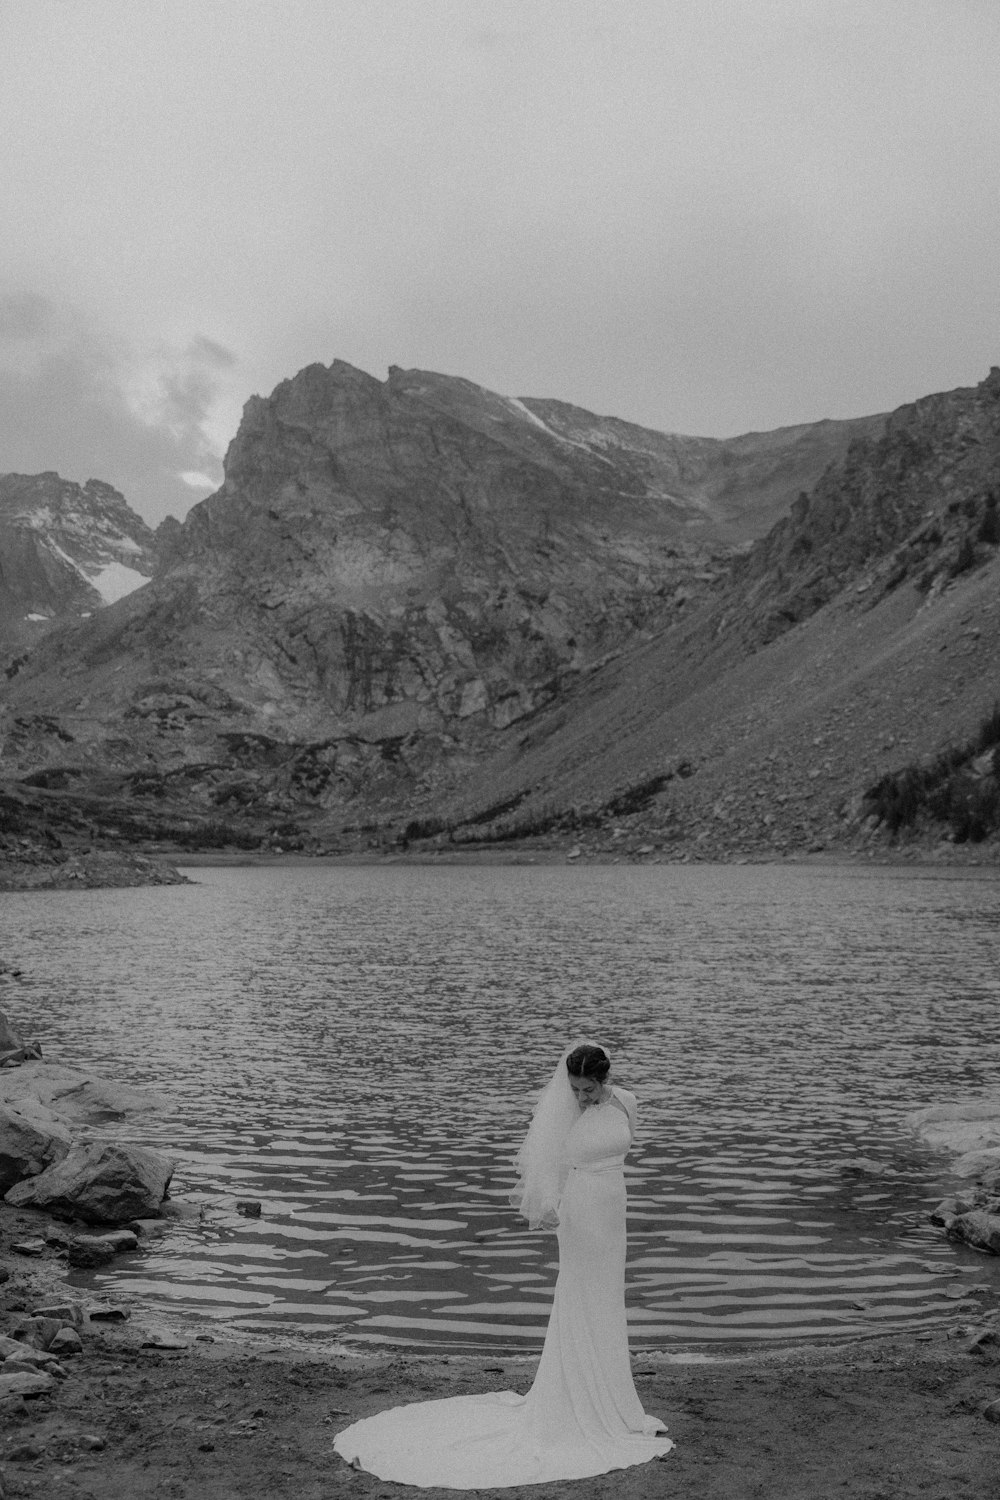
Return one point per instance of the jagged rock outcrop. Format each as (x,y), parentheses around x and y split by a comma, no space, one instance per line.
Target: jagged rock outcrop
(66,550)
(918,503)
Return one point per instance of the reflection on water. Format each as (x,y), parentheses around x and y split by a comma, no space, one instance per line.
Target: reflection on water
(358,1049)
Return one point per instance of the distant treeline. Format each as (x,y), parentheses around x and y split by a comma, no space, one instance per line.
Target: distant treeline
(961,788)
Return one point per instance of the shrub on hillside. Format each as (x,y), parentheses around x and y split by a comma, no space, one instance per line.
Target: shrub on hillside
(948,790)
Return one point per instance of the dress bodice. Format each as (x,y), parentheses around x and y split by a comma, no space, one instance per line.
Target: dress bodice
(600,1138)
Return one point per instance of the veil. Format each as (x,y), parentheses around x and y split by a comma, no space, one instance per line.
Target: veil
(541,1165)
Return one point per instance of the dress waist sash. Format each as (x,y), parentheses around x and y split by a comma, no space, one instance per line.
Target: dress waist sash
(606,1164)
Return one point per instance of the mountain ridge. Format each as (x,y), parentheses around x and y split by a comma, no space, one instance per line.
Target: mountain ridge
(419,609)
(65,550)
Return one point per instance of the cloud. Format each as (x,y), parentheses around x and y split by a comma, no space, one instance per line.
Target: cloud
(76,399)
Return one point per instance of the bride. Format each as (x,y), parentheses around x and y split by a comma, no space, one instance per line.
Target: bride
(582,1415)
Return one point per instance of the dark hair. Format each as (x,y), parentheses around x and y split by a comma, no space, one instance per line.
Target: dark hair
(589,1062)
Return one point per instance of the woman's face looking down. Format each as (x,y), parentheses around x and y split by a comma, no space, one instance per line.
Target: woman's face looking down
(587,1090)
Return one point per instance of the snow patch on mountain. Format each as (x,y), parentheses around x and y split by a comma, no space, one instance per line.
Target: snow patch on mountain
(115,580)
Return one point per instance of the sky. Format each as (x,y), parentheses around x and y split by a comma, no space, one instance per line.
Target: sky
(705,216)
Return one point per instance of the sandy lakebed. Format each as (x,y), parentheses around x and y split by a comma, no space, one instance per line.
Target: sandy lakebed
(221,1415)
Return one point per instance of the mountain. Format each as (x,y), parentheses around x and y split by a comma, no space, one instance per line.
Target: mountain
(847,667)
(393,577)
(66,550)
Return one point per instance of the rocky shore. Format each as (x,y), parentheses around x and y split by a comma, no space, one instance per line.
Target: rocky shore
(29,865)
(108,1401)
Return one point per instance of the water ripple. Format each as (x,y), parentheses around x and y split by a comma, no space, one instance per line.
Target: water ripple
(358,1048)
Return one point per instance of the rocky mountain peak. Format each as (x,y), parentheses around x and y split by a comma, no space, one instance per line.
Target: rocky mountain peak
(65,550)
(396,581)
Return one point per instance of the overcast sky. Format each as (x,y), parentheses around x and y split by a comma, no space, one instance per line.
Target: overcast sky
(707,216)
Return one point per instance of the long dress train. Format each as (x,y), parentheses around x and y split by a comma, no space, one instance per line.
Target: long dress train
(582,1415)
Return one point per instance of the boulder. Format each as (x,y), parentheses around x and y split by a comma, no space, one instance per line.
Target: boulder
(101,1183)
(75,1097)
(979,1229)
(37,1333)
(69,1313)
(961,1127)
(25,1383)
(981,1164)
(31,1139)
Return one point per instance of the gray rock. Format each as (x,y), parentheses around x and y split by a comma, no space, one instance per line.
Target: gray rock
(986,1344)
(69,1313)
(117,1240)
(37,1333)
(965,1128)
(105,1313)
(977,1163)
(106,1183)
(148,1229)
(31,1139)
(163,1341)
(95,1250)
(977,1228)
(863,1166)
(992,1411)
(33,1360)
(66,1341)
(73,1096)
(26,1383)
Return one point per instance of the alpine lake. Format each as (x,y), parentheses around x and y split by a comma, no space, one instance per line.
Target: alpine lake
(358,1048)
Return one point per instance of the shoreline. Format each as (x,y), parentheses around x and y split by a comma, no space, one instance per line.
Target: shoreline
(151,1407)
(160,1403)
(115,867)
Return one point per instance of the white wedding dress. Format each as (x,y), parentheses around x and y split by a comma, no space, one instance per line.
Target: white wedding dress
(582,1415)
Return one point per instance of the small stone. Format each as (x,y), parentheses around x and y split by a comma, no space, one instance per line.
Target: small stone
(149,1229)
(88,1251)
(206,1447)
(248,1207)
(92,1442)
(23,1453)
(986,1343)
(28,1247)
(163,1341)
(104,1313)
(66,1341)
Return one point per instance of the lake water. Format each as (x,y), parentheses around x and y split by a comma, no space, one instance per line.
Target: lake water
(358,1048)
